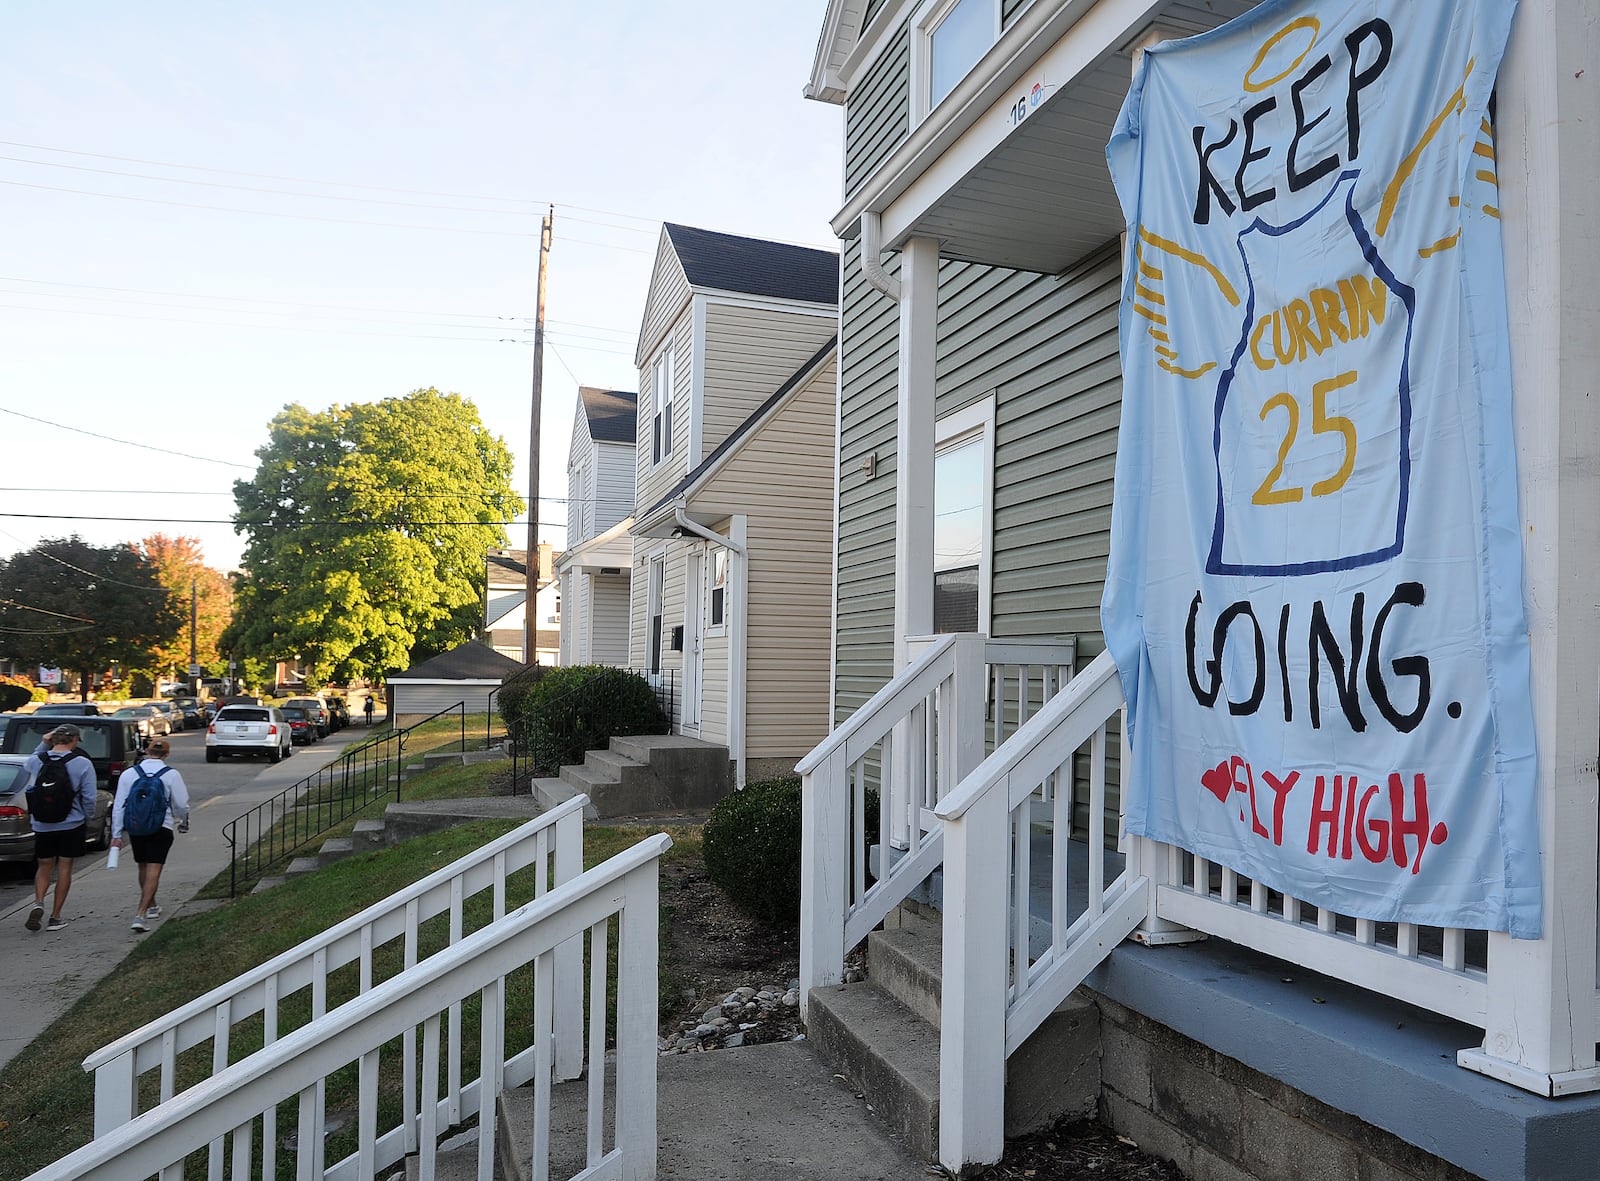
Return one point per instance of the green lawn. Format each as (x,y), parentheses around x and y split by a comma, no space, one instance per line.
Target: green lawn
(46,1100)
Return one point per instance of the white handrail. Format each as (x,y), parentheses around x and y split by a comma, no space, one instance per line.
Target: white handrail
(233,1100)
(908,687)
(1074,702)
(118,1065)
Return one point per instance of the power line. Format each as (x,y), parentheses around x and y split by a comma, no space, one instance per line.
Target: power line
(44,611)
(125,442)
(149,590)
(268,327)
(365,522)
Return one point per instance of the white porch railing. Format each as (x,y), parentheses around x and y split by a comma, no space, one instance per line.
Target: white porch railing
(233,1109)
(1037,909)
(550,845)
(960,696)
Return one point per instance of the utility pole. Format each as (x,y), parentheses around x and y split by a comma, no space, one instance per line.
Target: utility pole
(530,624)
(194,652)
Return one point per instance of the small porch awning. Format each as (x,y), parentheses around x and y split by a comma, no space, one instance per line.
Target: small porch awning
(608,552)
(1010,169)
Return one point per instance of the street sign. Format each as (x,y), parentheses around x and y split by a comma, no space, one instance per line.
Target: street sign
(194,670)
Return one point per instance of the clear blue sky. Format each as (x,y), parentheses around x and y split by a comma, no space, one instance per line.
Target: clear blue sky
(339,202)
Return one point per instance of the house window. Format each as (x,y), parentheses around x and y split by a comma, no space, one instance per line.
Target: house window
(658,579)
(952,36)
(661,385)
(963,473)
(719,587)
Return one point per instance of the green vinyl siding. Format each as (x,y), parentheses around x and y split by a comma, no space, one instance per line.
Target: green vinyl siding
(1009,10)
(877,115)
(1046,347)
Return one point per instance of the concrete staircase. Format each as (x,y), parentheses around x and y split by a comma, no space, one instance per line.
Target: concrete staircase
(645,775)
(882,1033)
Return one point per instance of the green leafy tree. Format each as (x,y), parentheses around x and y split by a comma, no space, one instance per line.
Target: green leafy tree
(367,526)
(84,607)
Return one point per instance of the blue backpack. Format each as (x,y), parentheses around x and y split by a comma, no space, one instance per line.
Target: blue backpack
(145,810)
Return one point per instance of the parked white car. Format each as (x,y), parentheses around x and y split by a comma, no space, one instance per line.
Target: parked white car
(249,729)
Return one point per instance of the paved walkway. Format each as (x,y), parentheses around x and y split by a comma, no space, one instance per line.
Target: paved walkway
(42,974)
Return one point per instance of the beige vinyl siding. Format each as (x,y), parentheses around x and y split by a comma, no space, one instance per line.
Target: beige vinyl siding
(654,480)
(714,667)
(612,485)
(608,618)
(665,302)
(749,353)
(877,115)
(781,479)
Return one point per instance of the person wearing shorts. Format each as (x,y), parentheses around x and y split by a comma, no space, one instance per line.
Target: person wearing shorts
(150,852)
(57,845)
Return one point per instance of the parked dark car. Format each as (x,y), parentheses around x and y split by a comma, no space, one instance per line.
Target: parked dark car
(317,710)
(75,709)
(189,709)
(302,730)
(338,712)
(112,743)
(16,830)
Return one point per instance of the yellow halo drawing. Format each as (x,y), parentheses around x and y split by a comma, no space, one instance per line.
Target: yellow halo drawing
(1304,22)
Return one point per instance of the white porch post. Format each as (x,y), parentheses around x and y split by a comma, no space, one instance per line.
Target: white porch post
(737,597)
(1541,1001)
(914,442)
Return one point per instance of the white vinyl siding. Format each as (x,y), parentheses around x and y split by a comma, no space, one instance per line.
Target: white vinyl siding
(749,353)
(612,487)
(574,635)
(580,479)
(430,697)
(608,619)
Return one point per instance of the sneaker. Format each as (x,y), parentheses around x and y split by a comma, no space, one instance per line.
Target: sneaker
(152,911)
(35,917)
(56,924)
(139,924)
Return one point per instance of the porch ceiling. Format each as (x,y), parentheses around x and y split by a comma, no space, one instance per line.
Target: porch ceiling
(1037,195)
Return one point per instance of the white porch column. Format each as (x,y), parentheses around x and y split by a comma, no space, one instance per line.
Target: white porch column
(913,464)
(1541,1008)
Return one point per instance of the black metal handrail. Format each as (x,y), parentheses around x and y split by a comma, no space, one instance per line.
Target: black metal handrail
(278,828)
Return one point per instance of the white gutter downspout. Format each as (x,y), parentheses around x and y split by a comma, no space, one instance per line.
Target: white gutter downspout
(735,598)
(871,262)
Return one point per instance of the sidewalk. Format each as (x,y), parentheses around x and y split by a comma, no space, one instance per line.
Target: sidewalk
(44,973)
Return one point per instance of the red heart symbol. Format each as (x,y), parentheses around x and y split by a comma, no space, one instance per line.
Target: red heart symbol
(1218,780)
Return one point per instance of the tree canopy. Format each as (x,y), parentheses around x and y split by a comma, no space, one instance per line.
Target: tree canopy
(66,603)
(181,567)
(366,528)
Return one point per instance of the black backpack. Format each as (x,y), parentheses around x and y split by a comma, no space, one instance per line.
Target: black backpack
(53,794)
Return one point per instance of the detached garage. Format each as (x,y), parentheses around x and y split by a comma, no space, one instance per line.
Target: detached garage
(471,674)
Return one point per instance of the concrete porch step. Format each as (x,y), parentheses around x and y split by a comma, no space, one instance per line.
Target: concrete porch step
(652,774)
(335,849)
(302,865)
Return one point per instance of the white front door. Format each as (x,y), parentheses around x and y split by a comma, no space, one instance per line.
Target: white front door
(693,578)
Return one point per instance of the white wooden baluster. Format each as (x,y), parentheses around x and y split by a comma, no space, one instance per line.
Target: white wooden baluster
(367,1115)
(1060,869)
(307,1165)
(408,1040)
(428,1133)
(491,1071)
(269,1118)
(219,1062)
(1021,871)
(637,963)
(453,1029)
(1096,834)
(116,1099)
(568,858)
(858,838)
(242,1145)
(598,942)
(319,1006)
(823,880)
(543,1036)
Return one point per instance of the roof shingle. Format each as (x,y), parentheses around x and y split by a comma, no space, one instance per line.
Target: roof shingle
(754,266)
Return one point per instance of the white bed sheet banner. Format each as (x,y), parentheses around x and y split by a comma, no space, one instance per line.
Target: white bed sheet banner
(1315,587)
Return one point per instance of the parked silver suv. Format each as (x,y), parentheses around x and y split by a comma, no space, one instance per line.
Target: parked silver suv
(249,729)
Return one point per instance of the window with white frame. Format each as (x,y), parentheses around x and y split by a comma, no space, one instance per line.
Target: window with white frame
(658,579)
(717,608)
(963,474)
(951,36)
(661,397)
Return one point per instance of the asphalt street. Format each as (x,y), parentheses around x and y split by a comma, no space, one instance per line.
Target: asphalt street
(43,973)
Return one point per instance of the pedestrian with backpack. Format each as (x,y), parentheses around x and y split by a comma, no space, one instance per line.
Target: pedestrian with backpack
(60,802)
(152,801)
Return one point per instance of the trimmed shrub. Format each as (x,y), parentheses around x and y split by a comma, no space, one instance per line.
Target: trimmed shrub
(580,708)
(751,844)
(14,697)
(512,697)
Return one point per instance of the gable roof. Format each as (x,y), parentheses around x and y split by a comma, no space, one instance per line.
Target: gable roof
(612,415)
(741,432)
(754,266)
(472,661)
